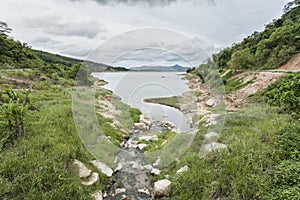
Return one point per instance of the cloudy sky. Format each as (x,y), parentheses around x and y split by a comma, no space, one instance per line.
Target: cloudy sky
(77,27)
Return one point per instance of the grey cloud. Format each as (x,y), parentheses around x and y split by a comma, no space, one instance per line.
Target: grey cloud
(136,2)
(58,26)
(150,3)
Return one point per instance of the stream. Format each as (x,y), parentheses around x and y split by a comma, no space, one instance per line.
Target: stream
(133,179)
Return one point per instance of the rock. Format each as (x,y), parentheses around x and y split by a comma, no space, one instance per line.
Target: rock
(105,195)
(149,138)
(92,179)
(182,170)
(213,146)
(83,171)
(148,167)
(119,167)
(141,146)
(156,162)
(125,137)
(168,124)
(210,103)
(120,190)
(134,142)
(155,171)
(146,119)
(103,168)
(124,197)
(140,126)
(136,165)
(144,191)
(211,135)
(162,188)
(98,195)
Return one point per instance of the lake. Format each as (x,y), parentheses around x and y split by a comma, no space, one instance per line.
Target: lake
(134,87)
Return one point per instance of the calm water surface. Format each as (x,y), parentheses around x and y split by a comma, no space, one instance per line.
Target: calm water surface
(134,87)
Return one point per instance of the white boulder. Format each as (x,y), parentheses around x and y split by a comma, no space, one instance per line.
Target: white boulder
(102,167)
(182,169)
(146,119)
(83,171)
(142,146)
(210,103)
(162,188)
(92,179)
(144,191)
(120,190)
(155,171)
(140,126)
(98,195)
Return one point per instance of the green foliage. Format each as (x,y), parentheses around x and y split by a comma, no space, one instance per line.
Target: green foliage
(260,162)
(267,49)
(135,114)
(242,59)
(40,164)
(13,108)
(285,94)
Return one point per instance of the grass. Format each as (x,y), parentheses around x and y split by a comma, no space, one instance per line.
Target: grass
(247,167)
(155,145)
(39,165)
(173,101)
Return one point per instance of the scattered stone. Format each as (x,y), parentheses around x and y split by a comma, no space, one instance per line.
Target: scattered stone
(98,195)
(92,179)
(144,191)
(162,188)
(168,125)
(146,119)
(141,146)
(149,138)
(124,197)
(210,103)
(156,162)
(148,167)
(213,146)
(155,171)
(105,195)
(140,126)
(83,171)
(119,167)
(103,168)
(167,176)
(120,190)
(182,170)
(126,137)
(134,142)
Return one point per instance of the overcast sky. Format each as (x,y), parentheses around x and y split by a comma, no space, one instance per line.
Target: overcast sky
(76,27)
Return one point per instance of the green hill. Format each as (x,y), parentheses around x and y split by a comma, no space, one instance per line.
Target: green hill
(268,49)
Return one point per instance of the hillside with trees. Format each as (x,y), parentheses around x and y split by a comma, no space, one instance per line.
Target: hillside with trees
(268,49)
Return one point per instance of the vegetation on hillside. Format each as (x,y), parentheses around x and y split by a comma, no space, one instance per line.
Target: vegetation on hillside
(267,49)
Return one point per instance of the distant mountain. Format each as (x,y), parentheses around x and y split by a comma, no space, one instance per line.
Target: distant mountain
(159,68)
